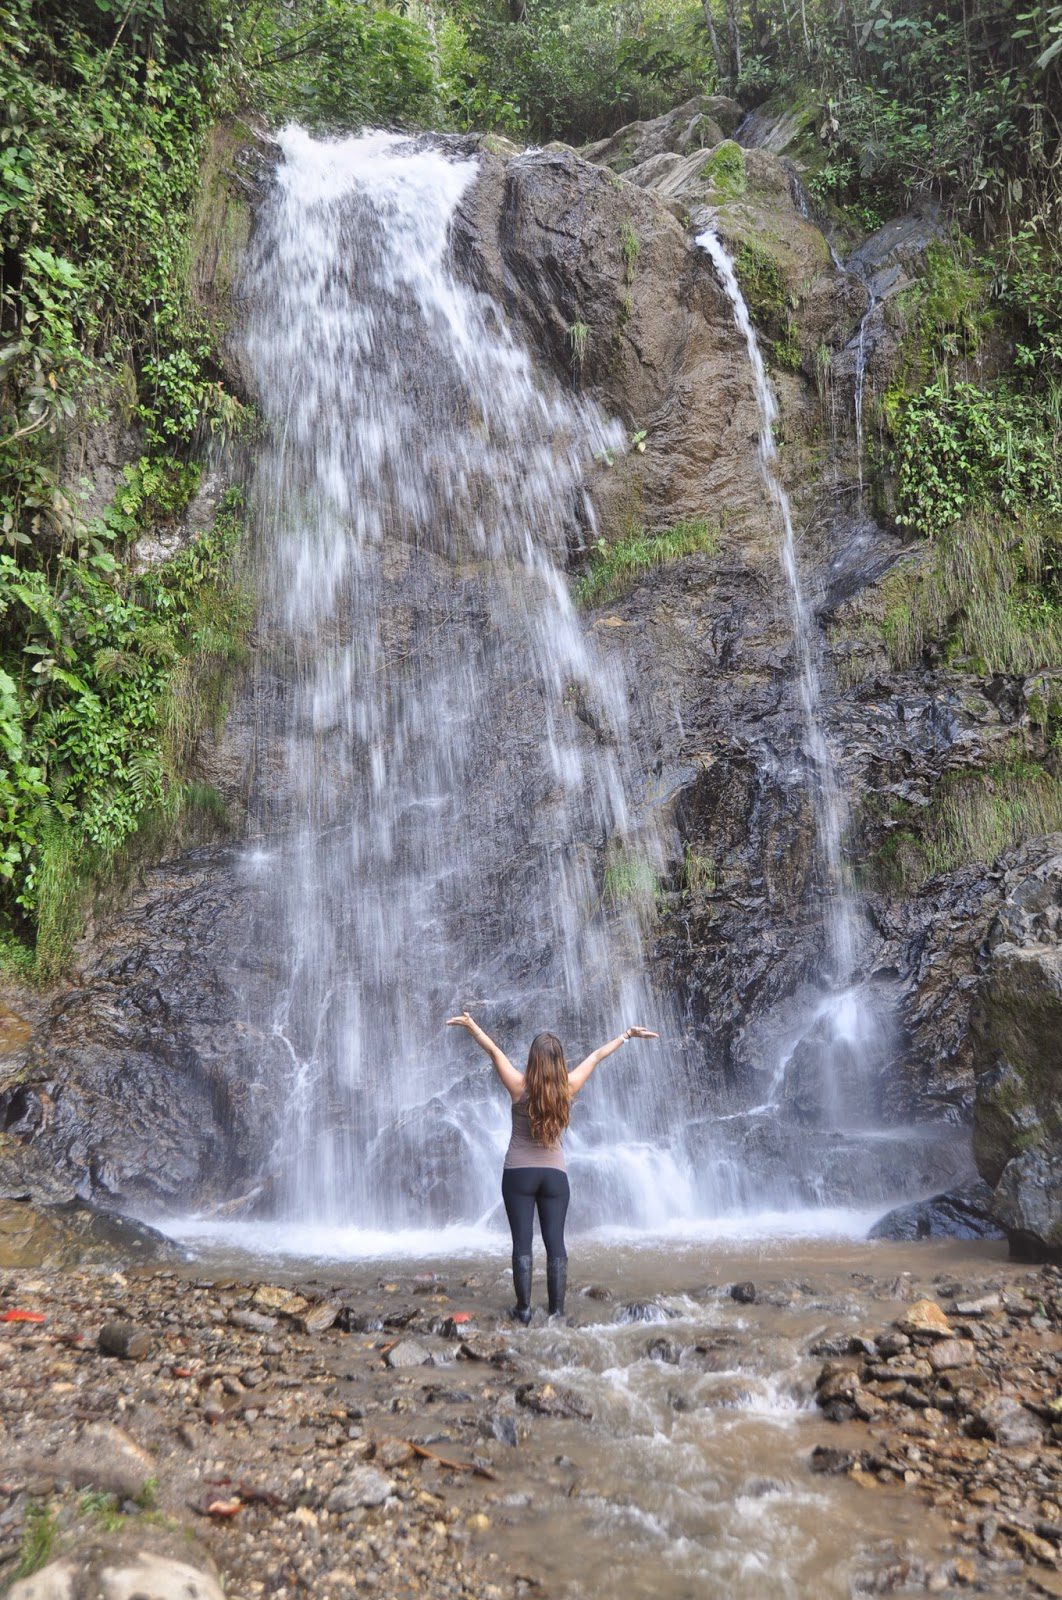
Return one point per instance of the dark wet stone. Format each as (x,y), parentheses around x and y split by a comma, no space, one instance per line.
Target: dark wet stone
(963,1213)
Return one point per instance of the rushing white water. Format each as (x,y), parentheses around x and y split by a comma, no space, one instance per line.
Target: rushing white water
(441,781)
(839,1022)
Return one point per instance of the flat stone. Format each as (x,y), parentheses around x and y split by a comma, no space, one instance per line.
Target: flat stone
(392,1453)
(831,1462)
(125,1340)
(270,1297)
(1007,1421)
(553,1400)
(107,1458)
(253,1321)
(362,1486)
(981,1307)
(319,1318)
(54,1582)
(143,1575)
(950,1353)
(408,1353)
(924,1320)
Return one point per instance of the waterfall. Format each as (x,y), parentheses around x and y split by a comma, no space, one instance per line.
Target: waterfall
(840,1028)
(442,785)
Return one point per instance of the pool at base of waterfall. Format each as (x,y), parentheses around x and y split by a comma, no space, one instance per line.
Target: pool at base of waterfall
(682,1469)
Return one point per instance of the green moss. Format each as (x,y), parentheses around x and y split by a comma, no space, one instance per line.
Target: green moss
(725,170)
(629,880)
(763,283)
(986,596)
(614,568)
(632,249)
(973,815)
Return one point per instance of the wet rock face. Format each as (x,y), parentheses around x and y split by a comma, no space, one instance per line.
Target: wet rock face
(140,1086)
(1017,1043)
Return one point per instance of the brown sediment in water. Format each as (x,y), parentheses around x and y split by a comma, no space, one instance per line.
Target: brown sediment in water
(659,1443)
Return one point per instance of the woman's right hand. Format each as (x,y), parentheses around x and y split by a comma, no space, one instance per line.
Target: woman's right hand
(641,1033)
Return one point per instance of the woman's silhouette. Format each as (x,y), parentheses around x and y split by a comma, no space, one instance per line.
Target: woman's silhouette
(534,1173)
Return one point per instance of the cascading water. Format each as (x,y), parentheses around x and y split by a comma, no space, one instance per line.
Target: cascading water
(441,770)
(839,1028)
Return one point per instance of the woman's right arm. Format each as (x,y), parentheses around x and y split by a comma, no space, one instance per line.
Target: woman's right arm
(513,1080)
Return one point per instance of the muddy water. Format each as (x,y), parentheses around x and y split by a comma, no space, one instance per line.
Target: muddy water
(692,1479)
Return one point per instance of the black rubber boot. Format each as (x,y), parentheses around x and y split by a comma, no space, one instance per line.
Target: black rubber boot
(556,1283)
(522,1284)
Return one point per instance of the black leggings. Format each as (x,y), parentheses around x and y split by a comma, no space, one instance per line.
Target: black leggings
(525,1187)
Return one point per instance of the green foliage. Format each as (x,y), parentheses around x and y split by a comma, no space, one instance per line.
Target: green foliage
(101,694)
(629,880)
(38,1541)
(958,447)
(578,337)
(341,63)
(700,875)
(724,169)
(988,593)
(971,816)
(614,568)
(576,69)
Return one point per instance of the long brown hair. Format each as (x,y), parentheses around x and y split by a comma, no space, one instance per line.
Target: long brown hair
(549,1102)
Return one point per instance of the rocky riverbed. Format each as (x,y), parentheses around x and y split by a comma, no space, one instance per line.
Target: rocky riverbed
(385,1430)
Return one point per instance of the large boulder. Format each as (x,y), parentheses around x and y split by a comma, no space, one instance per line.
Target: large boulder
(1017,1039)
(695,125)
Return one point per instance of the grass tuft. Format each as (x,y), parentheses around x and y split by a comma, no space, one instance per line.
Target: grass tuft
(615,568)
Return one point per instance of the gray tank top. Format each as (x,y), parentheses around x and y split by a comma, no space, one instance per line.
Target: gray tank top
(524,1149)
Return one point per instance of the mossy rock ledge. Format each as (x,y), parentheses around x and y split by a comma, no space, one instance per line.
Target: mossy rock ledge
(1017,1133)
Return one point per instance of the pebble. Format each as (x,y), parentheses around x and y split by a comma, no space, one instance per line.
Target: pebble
(124,1340)
(408,1353)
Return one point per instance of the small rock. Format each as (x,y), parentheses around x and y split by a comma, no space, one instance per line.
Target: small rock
(285,1302)
(597,1291)
(1007,1421)
(319,1318)
(949,1353)
(125,1340)
(825,1459)
(503,1428)
(408,1353)
(252,1321)
(362,1486)
(924,1320)
(743,1293)
(392,1453)
(665,1350)
(981,1307)
(553,1400)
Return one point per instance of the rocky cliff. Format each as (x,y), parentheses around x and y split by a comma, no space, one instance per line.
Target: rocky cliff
(139,1082)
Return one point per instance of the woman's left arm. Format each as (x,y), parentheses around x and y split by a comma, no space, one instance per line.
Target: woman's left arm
(578,1076)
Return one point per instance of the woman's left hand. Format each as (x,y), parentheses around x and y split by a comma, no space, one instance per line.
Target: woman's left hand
(463,1021)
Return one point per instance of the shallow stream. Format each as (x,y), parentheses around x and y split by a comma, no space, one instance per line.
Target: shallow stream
(693,1476)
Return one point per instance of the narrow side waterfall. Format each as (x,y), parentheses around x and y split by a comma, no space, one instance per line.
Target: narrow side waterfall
(442,778)
(840,1030)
